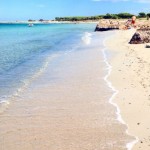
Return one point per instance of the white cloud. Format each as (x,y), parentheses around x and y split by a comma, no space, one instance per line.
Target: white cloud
(138,1)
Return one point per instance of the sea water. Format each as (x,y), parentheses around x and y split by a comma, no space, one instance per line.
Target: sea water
(25,51)
(45,63)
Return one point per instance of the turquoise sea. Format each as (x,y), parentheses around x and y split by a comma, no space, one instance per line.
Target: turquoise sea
(25,51)
(53,80)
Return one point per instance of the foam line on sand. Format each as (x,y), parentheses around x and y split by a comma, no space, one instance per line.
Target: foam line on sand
(129,145)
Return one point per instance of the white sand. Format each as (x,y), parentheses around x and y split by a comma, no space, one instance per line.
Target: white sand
(70,111)
(131,76)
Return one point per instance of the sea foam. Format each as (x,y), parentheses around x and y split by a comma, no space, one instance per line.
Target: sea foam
(5,100)
(87,38)
(129,145)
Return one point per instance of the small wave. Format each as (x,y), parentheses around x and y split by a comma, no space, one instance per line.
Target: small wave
(36,75)
(5,100)
(3,105)
(87,38)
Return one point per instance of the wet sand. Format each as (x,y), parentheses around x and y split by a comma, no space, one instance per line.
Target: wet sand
(131,76)
(67,108)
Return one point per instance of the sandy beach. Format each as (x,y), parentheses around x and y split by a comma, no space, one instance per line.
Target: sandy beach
(71,106)
(67,108)
(130,76)
(75,75)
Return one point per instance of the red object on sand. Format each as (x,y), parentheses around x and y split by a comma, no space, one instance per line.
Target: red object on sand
(133,21)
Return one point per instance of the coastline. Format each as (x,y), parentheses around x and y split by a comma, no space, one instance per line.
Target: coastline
(130,76)
(67,107)
(130,144)
(49,22)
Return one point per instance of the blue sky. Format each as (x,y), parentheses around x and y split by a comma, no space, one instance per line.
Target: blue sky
(49,9)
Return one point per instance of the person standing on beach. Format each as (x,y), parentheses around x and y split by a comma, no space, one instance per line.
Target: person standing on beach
(133,23)
(130,23)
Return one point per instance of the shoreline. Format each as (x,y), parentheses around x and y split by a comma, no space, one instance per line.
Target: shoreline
(131,144)
(71,111)
(50,22)
(129,69)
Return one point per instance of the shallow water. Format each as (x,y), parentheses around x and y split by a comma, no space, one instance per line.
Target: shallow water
(25,51)
(61,100)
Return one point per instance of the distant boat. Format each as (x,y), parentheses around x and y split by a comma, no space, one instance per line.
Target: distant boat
(30,25)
